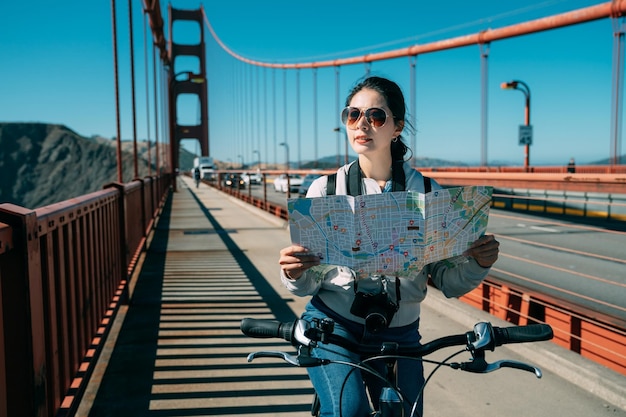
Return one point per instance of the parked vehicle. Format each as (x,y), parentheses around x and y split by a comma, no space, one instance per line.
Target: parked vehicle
(306,183)
(280,183)
(233,181)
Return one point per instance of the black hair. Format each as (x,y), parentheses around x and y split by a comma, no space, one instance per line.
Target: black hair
(394,97)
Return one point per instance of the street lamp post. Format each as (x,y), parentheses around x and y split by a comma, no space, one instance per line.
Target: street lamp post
(286,154)
(523,87)
(241,157)
(340,129)
(258,153)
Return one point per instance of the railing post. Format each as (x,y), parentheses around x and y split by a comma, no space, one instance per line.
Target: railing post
(23,302)
(123,244)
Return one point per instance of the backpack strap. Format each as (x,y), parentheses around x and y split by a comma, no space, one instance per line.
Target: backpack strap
(353,182)
(398,180)
(427,186)
(332,184)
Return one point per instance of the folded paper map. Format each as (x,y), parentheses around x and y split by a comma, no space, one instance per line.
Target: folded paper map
(393,233)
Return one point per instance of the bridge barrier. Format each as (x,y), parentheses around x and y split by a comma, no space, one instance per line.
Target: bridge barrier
(63,273)
(608,206)
(599,338)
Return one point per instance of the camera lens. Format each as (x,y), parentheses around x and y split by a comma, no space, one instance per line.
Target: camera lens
(375,322)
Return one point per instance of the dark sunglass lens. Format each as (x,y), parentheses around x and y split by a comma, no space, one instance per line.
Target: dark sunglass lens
(352,115)
(346,116)
(376,117)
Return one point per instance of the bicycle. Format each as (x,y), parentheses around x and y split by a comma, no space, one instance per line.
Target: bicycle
(306,335)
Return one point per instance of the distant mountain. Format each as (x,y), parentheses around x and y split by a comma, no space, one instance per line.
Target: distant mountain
(331,162)
(41,163)
(607,161)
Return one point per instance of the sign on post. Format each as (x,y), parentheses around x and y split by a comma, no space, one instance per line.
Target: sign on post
(525,135)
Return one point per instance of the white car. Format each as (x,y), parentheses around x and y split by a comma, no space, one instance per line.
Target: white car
(280,183)
(252,178)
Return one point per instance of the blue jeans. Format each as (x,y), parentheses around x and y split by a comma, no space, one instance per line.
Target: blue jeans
(342,386)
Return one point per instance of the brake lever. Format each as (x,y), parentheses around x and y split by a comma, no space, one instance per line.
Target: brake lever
(516,365)
(303,361)
(480,366)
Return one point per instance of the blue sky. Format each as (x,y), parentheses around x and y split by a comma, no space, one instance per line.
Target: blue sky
(57,67)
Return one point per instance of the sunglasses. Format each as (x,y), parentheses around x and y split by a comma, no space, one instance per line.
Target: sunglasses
(376,117)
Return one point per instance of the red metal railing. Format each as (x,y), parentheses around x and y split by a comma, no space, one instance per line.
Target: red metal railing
(575,328)
(63,272)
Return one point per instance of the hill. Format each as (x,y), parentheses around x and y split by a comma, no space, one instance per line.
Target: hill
(42,164)
(330,162)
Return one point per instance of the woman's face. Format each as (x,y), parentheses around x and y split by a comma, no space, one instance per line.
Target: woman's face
(367,139)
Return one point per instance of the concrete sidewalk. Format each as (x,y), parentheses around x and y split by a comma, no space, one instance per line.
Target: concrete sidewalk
(176,350)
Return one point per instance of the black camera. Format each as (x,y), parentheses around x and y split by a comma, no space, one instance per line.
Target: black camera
(376,308)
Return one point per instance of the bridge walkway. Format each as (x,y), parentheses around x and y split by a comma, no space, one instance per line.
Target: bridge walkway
(176,348)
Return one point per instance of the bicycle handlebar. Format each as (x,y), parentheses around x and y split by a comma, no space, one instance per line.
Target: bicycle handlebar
(485,336)
(306,335)
(265,329)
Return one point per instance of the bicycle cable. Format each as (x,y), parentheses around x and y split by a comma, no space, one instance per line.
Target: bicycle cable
(430,375)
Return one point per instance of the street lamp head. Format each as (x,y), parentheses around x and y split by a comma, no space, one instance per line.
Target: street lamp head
(511,85)
(517,85)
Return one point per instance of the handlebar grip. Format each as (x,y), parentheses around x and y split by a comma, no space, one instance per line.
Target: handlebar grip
(264,329)
(522,334)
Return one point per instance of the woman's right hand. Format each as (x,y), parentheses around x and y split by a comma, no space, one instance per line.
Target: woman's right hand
(296,259)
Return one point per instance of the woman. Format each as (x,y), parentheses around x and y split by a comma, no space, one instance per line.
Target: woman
(375,119)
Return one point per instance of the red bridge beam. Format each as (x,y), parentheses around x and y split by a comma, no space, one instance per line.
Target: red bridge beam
(600,183)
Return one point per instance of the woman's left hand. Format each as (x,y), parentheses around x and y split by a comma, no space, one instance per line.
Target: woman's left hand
(485,250)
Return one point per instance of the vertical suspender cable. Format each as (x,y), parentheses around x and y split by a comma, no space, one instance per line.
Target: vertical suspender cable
(252,114)
(484,55)
(236,123)
(132,86)
(165,119)
(258,112)
(298,133)
(156,112)
(250,101)
(285,111)
(617,91)
(413,76)
(242,106)
(147,65)
(337,110)
(265,122)
(274,117)
(315,134)
(120,176)
(245,105)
